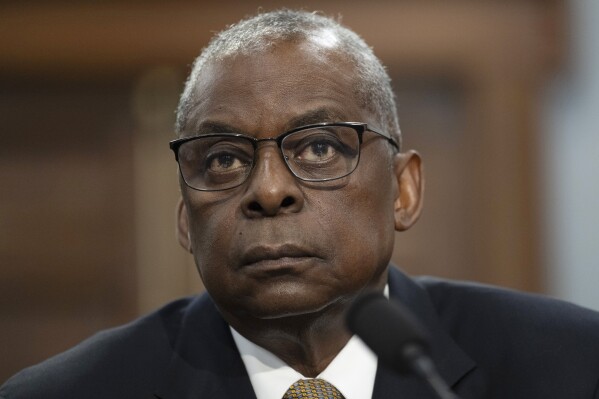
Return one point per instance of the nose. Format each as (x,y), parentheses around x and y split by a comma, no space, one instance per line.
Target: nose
(272,188)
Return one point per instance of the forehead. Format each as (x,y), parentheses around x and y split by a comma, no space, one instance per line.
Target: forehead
(277,89)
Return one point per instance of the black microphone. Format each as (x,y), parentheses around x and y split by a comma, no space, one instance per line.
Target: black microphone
(396,337)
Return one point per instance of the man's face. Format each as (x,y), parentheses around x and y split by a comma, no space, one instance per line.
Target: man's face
(277,246)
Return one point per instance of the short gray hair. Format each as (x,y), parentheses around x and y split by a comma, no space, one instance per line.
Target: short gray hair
(263,31)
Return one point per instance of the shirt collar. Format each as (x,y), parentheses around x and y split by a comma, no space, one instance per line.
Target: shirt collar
(352,371)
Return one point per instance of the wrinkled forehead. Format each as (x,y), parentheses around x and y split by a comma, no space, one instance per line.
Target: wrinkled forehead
(320,47)
(279,82)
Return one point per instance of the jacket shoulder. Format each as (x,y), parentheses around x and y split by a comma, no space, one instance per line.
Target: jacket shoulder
(119,362)
(521,339)
(459,302)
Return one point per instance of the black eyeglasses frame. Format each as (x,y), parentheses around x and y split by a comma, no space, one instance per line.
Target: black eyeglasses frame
(359,127)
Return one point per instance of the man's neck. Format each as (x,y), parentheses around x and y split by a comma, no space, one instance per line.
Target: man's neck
(307,343)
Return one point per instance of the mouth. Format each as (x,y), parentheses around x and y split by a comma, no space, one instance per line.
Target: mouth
(277,257)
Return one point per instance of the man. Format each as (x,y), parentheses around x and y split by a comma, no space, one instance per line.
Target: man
(293,185)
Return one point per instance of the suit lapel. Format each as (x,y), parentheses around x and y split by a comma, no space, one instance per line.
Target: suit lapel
(452,363)
(205,361)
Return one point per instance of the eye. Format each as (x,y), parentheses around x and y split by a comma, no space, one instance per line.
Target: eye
(317,148)
(226,155)
(223,161)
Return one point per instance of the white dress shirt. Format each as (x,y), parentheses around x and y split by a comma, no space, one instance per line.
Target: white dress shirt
(352,371)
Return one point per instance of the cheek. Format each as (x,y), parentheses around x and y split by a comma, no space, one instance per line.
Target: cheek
(361,218)
(211,226)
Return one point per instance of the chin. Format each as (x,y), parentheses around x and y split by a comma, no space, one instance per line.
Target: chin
(282,307)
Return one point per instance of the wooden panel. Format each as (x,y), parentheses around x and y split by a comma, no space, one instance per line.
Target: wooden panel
(123,38)
(66,237)
(166,271)
(433,116)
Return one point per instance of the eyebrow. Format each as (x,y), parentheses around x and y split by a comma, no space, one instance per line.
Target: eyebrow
(318,115)
(215,127)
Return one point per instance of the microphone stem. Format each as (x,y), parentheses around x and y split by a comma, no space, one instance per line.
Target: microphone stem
(424,367)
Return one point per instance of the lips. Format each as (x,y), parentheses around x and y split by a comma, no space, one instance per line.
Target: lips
(266,255)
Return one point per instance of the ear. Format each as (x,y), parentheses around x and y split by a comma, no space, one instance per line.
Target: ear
(183,226)
(410,182)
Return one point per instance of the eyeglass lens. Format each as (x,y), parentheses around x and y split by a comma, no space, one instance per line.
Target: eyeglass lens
(312,154)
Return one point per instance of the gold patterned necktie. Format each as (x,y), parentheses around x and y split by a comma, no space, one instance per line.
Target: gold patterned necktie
(314,388)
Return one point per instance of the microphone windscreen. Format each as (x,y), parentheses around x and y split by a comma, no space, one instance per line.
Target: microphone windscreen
(388,328)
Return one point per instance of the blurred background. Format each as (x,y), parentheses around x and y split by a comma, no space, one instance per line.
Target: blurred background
(500,97)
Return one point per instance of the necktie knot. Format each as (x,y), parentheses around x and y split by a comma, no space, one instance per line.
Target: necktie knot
(313,388)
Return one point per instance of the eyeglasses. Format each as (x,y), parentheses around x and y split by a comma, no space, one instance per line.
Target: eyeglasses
(313,153)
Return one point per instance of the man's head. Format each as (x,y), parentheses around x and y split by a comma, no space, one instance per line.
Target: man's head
(372,85)
(275,246)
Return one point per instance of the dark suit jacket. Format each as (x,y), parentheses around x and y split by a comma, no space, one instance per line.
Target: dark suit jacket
(487,343)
